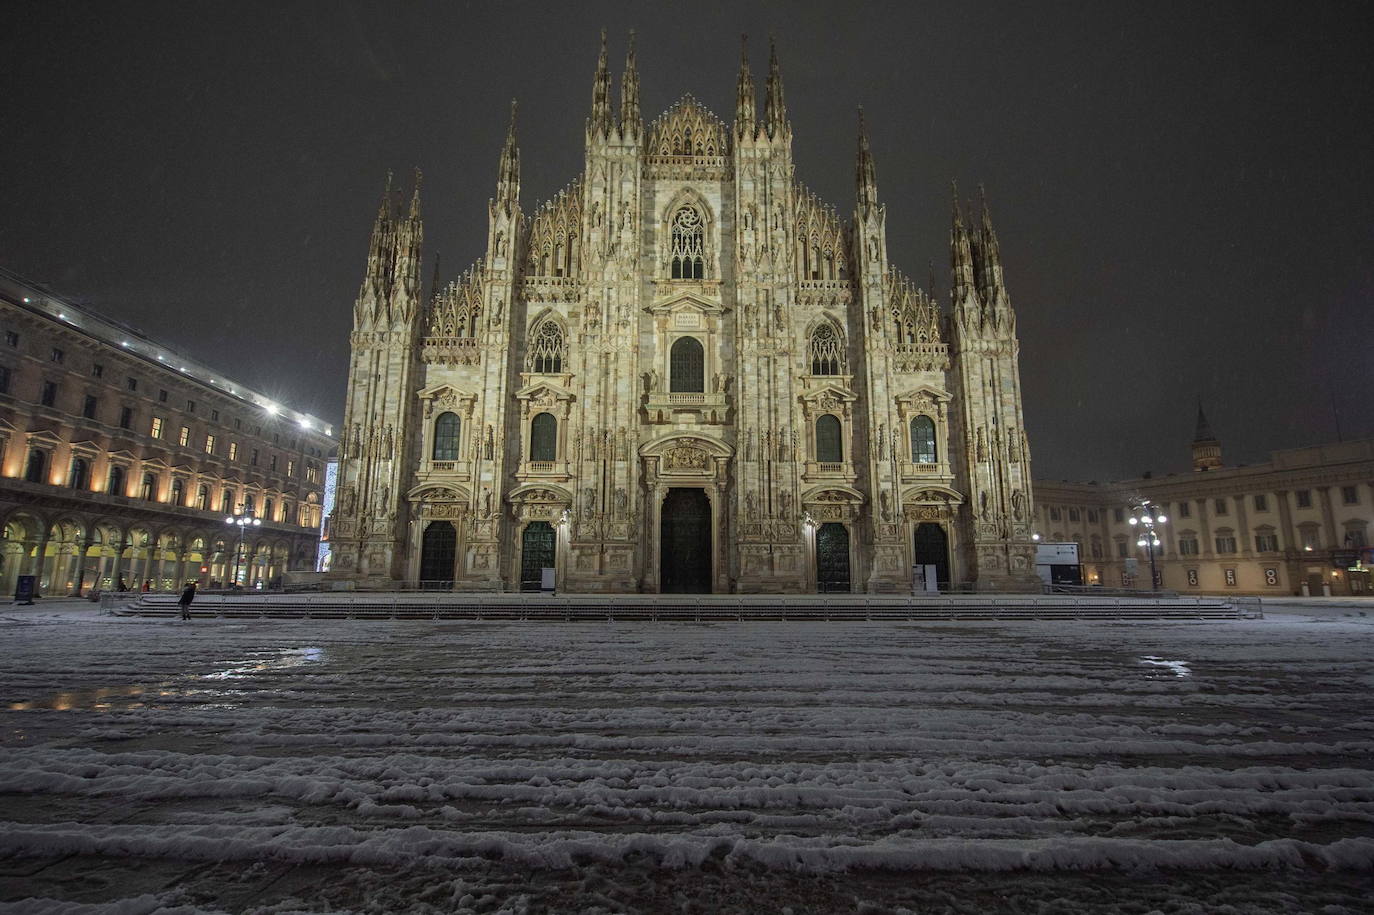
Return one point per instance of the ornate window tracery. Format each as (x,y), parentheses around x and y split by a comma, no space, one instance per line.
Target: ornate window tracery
(688,245)
(446,429)
(547,348)
(826,351)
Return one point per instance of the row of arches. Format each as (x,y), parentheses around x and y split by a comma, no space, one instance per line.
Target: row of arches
(72,555)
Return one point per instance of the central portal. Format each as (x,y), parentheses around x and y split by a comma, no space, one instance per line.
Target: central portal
(685,542)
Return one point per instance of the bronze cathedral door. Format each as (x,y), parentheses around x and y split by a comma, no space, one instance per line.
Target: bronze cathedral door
(685,542)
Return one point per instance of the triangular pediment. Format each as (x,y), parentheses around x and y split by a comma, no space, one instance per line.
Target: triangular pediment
(830,391)
(545,390)
(122,456)
(925,392)
(44,437)
(156,464)
(686,301)
(86,448)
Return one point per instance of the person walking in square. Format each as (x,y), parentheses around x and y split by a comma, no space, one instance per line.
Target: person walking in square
(186,597)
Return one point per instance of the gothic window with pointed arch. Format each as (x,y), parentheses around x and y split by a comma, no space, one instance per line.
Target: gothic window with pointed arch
(544,438)
(446,429)
(688,245)
(547,348)
(826,350)
(922,440)
(687,366)
(829,448)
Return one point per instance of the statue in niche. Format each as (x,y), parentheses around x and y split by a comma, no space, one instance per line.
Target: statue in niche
(621,501)
(751,508)
(749,445)
(785,505)
(886,502)
(487,445)
(348,501)
(383,495)
(983,505)
(588,502)
(486,501)
(652,381)
(500,243)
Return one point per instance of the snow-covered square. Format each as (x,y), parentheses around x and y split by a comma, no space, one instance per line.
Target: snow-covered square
(345,766)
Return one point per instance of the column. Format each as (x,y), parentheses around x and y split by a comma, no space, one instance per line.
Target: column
(1247,540)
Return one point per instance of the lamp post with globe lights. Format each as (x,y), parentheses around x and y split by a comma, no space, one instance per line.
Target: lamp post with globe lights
(242,520)
(1144,516)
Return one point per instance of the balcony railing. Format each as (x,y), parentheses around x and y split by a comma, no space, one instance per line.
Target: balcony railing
(541,466)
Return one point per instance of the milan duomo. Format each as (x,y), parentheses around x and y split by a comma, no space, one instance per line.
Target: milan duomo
(683,373)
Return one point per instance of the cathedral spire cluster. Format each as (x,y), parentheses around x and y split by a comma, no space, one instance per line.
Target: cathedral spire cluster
(577,399)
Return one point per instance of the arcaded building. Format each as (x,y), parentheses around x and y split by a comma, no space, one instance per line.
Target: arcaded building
(1297,523)
(682,373)
(120,459)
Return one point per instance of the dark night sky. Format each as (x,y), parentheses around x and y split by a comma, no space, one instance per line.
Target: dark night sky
(1184,192)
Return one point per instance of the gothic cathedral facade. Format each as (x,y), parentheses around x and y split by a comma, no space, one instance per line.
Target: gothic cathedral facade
(683,373)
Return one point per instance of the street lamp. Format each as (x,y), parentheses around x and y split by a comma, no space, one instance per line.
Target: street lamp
(1144,516)
(243,520)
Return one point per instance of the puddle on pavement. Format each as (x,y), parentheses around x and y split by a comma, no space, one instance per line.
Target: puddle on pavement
(155,695)
(1179,668)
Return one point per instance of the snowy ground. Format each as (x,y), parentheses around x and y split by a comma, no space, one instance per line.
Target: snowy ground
(275,766)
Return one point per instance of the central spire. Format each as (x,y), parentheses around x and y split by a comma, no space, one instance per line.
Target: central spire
(508,179)
(629,93)
(744,94)
(866,176)
(601,121)
(774,111)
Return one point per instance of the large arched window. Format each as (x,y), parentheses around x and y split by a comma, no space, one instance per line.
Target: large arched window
(687,366)
(226,502)
(250,504)
(922,440)
(689,246)
(829,449)
(547,348)
(178,492)
(826,350)
(38,462)
(268,506)
(149,487)
(446,429)
(81,474)
(544,438)
(203,498)
(116,484)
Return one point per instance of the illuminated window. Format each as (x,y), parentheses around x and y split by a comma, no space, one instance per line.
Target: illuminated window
(209,444)
(233,451)
(156,430)
(185,438)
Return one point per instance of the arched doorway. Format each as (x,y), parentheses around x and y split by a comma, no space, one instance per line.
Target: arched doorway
(685,542)
(536,554)
(437,551)
(832,557)
(932,548)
